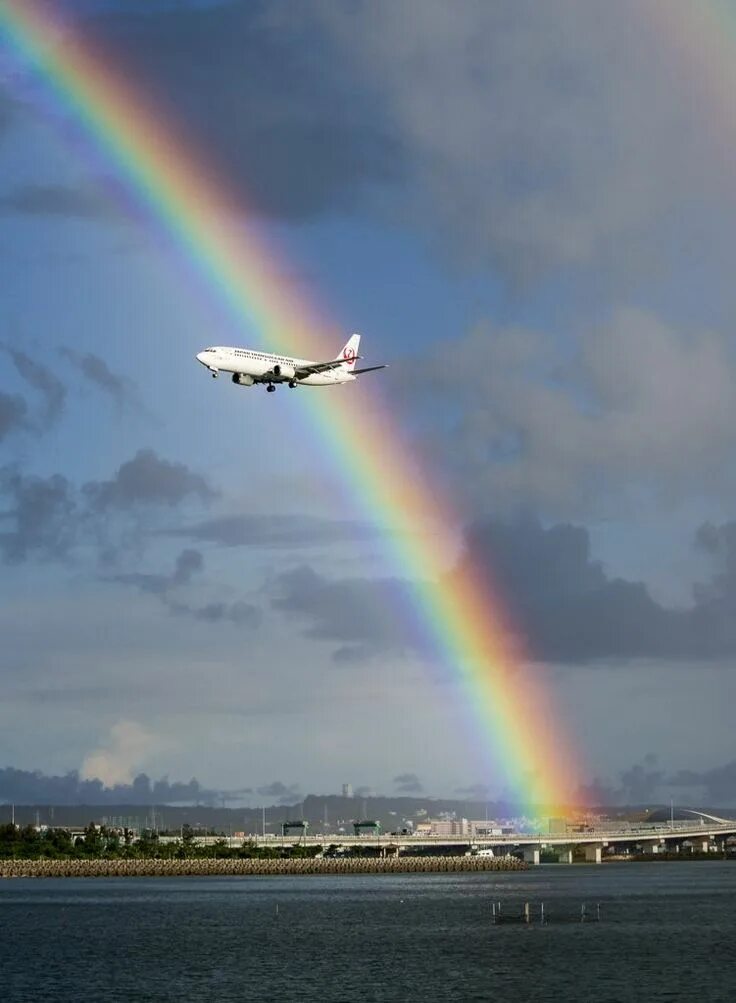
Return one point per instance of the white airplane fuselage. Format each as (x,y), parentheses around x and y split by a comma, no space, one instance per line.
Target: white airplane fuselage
(250,366)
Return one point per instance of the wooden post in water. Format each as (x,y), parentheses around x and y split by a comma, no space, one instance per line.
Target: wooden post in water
(526,912)
(582,913)
(541,914)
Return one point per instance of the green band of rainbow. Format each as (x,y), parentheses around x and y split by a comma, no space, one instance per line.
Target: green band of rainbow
(461,613)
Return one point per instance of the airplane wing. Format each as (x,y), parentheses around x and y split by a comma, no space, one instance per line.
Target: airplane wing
(368,369)
(318,367)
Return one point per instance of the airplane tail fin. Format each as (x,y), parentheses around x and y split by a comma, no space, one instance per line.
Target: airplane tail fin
(349,353)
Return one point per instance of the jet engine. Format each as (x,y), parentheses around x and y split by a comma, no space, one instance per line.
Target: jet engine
(243,379)
(282,372)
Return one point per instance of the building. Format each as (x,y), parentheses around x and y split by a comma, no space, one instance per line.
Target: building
(347,790)
(454,827)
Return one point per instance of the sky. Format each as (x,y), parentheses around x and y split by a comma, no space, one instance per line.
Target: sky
(528,212)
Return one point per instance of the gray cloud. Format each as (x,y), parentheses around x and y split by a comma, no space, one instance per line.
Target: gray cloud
(36,375)
(147,480)
(642,408)
(718,784)
(368,616)
(475,791)
(408,783)
(641,783)
(49,517)
(535,135)
(58,200)
(566,607)
(188,563)
(42,519)
(239,613)
(274,531)
(283,793)
(98,373)
(13,412)
(650,783)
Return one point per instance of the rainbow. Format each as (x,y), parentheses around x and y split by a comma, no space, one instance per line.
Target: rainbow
(461,613)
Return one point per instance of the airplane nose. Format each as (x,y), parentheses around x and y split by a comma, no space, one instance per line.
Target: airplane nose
(200,357)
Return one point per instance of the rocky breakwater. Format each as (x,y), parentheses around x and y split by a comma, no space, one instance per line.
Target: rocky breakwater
(141,868)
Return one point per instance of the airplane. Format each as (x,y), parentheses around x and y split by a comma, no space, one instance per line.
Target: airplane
(249,366)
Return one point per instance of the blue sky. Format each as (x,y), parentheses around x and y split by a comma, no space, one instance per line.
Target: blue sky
(521,211)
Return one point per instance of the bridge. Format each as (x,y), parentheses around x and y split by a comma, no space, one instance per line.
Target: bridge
(702,835)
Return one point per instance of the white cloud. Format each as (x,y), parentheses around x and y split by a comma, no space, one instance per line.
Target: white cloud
(128,747)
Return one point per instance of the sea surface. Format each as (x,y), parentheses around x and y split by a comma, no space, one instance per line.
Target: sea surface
(667,931)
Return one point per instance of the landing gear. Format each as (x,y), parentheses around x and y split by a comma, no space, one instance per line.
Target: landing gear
(214,374)
(270,388)
(292,383)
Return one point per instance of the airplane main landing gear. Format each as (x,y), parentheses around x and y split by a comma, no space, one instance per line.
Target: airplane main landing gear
(270,388)
(292,383)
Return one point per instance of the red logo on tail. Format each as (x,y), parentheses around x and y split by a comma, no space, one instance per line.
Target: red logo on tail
(349,355)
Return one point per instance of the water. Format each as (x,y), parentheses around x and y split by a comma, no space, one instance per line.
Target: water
(666,933)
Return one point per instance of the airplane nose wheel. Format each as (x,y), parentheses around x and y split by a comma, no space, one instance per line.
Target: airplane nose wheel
(292,384)
(270,388)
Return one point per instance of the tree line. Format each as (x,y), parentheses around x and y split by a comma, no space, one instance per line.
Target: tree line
(101,842)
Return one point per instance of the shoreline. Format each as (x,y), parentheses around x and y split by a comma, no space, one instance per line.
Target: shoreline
(210,867)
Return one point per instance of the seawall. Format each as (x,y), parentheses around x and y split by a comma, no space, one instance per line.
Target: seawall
(210,866)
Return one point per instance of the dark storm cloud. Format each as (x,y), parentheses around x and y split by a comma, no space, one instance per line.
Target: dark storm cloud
(41,518)
(718,784)
(565,606)
(58,200)
(41,379)
(147,480)
(98,373)
(13,412)
(274,531)
(649,783)
(262,89)
(408,783)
